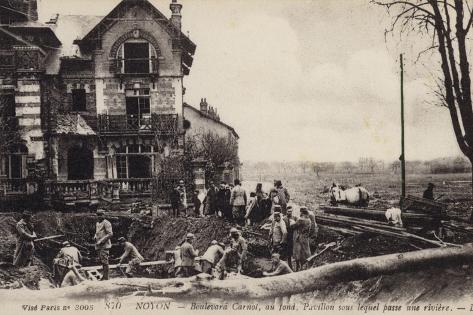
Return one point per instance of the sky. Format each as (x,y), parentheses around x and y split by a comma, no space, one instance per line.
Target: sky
(305,79)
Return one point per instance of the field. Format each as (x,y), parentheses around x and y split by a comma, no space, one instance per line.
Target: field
(385,189)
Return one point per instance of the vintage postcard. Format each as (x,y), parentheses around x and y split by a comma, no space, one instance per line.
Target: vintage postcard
(236,156)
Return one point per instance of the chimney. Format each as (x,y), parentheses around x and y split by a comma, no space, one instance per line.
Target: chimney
(176,14)
(31,9)
(203,105)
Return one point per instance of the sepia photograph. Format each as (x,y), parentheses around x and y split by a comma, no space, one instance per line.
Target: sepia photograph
(236,156)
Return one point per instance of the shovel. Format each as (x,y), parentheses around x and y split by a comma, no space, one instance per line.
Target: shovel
(327,246)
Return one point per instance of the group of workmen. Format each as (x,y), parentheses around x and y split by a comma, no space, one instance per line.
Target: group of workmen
(219,259)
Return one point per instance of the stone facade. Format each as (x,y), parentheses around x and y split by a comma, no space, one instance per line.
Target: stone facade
(116,105)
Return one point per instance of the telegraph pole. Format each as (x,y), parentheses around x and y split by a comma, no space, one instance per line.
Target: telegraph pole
(403,156)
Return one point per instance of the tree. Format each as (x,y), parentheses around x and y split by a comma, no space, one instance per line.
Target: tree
(218,151)
(446,24)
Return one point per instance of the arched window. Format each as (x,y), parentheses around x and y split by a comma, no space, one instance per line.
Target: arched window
(137,56)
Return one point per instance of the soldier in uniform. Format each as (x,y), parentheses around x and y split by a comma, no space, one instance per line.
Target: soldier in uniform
(24,250)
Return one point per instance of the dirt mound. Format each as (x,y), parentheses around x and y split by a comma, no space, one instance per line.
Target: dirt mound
(166,233)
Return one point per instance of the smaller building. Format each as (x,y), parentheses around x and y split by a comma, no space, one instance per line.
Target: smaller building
(206,120)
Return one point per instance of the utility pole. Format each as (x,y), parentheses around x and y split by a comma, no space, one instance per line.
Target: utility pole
(403,156)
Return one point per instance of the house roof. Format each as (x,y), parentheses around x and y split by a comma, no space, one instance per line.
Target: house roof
(73,125)
(230,128)
(19,38)
(106,22)
(69,28)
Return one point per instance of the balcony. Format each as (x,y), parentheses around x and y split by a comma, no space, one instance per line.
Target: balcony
(135,66)
(7,60)
(160,124)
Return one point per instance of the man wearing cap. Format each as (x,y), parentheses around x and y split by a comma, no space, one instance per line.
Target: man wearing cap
(234,256)
(188,255)
(279,267)
(278,233)
(429,192)
(103,234)
(301,249)
(134,257)
(211,256)
(70,252)
(24,249)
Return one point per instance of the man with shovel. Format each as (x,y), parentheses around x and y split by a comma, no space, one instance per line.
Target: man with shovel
(24,250)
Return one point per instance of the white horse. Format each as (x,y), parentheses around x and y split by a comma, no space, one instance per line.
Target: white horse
(357,195)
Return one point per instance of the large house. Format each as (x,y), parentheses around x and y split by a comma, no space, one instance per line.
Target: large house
(96,100)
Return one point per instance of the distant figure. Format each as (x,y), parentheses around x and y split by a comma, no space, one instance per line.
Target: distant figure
(283,195)
(182,197)
(279,267)
(211,257)
(211,200)
(103,234)
(429,192)
(250,208)
(197,203)
(238,200)
(188,255)
(175,199)
(24,249)
(134,257)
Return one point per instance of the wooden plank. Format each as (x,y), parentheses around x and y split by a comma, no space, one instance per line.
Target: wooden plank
(115,266)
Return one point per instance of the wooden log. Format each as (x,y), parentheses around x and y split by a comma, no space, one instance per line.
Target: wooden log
(407,217)
(262,288)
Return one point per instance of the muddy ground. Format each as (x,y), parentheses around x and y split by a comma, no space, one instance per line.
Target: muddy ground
(153,238)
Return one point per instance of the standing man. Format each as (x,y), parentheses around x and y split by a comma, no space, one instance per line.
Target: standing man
(278,235)
(182,197)
(221,200)
(135,258)
(283,195)
(211,205)
(103,234)
(211,257)
(289,219)
(238,201)
(279,267)
(24,249)
(175,199)
(188,255)
(301,249)
(313,224)
(429,192)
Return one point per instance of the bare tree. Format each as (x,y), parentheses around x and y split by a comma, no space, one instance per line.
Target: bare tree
(217,150)
(446,24)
